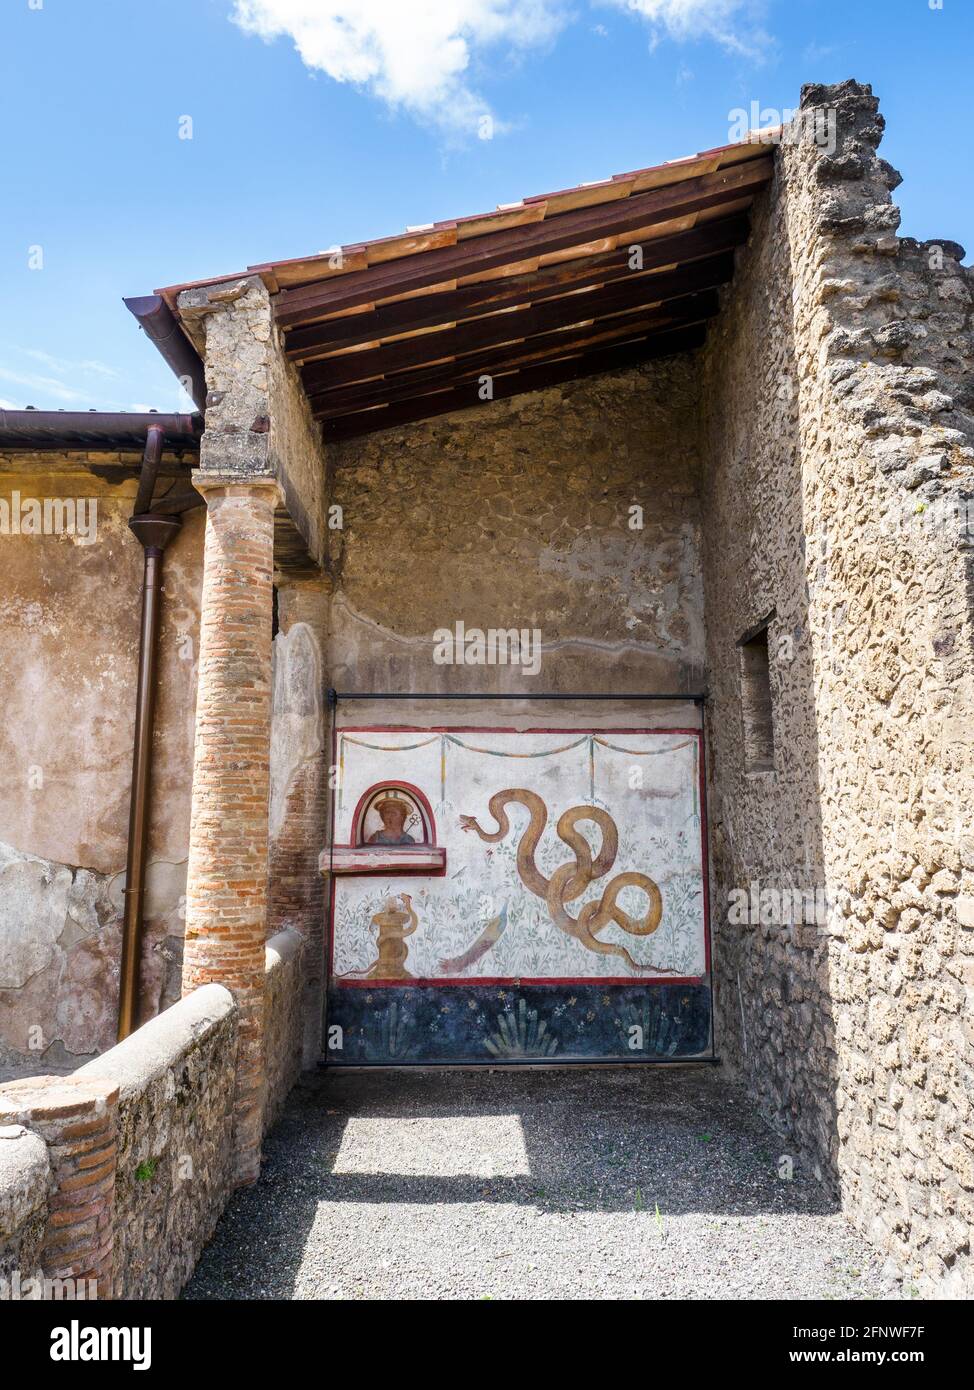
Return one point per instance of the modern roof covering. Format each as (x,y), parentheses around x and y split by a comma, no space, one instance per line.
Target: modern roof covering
(538,292)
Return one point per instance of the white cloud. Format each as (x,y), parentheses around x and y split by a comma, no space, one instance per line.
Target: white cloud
(43,385)
(415,55)
(71,383)
(728,22)
(818,52)
(63,365)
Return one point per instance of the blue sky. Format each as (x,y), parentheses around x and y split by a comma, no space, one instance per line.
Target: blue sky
(376,123)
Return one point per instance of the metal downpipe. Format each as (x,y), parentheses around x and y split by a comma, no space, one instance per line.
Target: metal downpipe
(154,532)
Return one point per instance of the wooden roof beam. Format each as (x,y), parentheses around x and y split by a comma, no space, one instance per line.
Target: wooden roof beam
(450,306)
(496,329)
(494,249)
(543,347)
(530,379)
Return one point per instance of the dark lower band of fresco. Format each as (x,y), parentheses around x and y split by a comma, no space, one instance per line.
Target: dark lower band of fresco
(517,1023)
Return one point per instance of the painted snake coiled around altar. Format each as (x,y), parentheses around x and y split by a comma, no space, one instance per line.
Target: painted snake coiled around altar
(570,880)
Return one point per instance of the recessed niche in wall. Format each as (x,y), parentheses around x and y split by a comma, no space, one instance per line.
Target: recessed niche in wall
(756,708)
(393,814)
(393,831)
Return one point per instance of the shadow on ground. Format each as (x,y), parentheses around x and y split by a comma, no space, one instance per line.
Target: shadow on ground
(628,1183)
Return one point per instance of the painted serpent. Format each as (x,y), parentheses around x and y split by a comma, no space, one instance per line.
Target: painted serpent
(569,881)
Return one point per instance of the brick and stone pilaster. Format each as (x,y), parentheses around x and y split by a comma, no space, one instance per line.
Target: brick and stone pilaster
(299,784)
(226,895)
(76,1118)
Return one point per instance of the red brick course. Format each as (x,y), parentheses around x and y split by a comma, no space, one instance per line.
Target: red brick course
(76,1117)
(226,895)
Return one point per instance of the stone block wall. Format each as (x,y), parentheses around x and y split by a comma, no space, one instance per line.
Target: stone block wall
(837,433)
(116,1175)
(173,1166)
(258,421)
(815,463)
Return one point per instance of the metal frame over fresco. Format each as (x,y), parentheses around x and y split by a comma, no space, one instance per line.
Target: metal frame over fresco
(560,914)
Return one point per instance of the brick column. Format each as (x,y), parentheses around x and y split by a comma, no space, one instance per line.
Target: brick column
(226,893)
(76,1118)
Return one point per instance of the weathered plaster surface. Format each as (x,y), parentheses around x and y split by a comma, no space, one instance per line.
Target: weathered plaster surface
(517,515)
(69,631)
(299,792)
(297,720)
(25,1174)
(808,462)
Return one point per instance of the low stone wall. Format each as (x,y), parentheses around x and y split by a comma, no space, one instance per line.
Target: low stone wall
(283,1020)
(25,1180)
(115,1176)
(173,1168)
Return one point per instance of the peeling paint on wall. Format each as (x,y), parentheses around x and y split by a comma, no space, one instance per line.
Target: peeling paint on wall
(69,633)
(297,724)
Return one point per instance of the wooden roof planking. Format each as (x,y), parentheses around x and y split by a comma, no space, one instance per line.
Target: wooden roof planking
(407,327)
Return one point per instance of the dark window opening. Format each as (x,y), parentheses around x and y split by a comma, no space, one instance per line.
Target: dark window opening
(756,699)
(275,613)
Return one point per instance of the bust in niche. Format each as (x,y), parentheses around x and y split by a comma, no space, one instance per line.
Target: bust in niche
(392,831)
(392,811)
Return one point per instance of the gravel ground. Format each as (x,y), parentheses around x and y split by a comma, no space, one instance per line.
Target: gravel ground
(559,1184)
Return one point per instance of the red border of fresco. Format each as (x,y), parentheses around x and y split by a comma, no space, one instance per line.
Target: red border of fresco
(491,980)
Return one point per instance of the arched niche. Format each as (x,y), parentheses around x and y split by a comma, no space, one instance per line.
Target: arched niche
(393,831)
(393,815)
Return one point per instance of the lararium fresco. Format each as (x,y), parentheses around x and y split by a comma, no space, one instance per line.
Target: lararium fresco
(566,915)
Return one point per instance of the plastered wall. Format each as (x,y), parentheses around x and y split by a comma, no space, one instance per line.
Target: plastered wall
(69,634)
(519,516)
